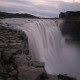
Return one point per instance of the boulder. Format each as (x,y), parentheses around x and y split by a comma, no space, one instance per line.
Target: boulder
(29,73)
(21,60)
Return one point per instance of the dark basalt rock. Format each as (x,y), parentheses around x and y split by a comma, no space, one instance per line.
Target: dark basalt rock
(71,30)
(70,14)
(11,43)
(71,26)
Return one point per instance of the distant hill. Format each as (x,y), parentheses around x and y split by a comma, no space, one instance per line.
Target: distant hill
(16,15)
(70,14)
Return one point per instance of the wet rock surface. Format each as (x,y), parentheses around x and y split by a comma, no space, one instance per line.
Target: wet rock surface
(15,61)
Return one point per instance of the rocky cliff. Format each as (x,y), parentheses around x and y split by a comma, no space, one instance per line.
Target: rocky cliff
(70,15)
(15,61)
(71,26)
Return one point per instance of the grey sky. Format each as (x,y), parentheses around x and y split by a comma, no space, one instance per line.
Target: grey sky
(45,8)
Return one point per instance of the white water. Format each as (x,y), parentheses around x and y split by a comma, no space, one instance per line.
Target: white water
(47,45)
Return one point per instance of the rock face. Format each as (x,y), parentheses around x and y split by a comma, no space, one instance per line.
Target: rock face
(12,43)
(70,14)
(71,30)
(15,61)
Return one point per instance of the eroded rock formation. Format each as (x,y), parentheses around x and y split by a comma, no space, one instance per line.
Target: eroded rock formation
(15,61)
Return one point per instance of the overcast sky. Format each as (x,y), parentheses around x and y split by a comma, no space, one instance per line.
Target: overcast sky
(44,8)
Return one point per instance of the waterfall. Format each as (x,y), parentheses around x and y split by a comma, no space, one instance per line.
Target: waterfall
(46,44)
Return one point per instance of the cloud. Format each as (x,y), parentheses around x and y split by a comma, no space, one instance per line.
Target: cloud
(50,8)
(72,1)
(70,7)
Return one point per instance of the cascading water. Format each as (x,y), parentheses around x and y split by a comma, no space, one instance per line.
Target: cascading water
(44,39)
(46,44)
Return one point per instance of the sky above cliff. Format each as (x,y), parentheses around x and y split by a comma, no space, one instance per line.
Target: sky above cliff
(44,8)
